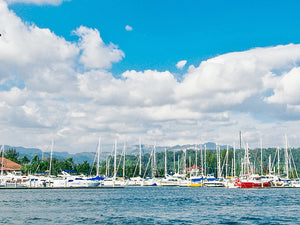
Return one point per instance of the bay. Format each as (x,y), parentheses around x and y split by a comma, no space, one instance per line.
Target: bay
(150,205)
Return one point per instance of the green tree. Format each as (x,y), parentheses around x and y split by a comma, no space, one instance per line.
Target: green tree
(35,160)
(83,168)
(25,160)
(25,168)
(12,155)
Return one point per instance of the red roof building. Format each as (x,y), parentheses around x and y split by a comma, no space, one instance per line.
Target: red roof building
(194,167)
(9,165)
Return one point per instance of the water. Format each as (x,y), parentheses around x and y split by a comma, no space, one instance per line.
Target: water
(150,205)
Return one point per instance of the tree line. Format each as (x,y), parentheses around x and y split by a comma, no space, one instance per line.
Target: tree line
(37,165)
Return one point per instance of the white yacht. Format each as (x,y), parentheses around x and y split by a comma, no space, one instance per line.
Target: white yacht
(65,180)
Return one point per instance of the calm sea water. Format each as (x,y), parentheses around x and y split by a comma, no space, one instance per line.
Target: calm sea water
(150,205)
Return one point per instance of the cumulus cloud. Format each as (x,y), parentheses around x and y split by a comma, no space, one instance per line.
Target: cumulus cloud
(40,70)
(286,88)
(232,78)
(181,64)
(95,54)
(37,2)
(49,85)
(32,56)
(13,97)
(144,94)
(128,28)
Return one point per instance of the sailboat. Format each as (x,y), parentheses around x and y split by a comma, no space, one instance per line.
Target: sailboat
(66,180)
(212,181)
(168,180)
(248,180)
(113,182)
(137,181)
(195,179)
(97,179)
(151,180)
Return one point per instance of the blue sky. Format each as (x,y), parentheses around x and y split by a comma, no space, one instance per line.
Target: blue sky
(165,32)
(187,72)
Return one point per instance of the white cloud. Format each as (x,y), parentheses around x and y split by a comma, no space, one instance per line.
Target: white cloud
(230,79)
(37,2)
(286,88)
(49,85)
(150,88)
(13,97)
(128,28)
(181,64)
(135,89)
(27,51)
(95,54)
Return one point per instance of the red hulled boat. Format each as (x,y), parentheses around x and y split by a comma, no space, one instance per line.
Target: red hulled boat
(252,181)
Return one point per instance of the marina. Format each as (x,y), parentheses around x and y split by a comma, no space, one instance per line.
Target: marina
(149,112)
(195,176)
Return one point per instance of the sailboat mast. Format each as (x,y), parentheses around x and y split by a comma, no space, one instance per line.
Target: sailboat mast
(166,172)
(218,161)
(242,166)
(184,162)
(226,162)
(205,160)
(178,163)
(286,158)
(2,148)
(106,169)
(154,161)
(140,172)
(196,150)
(98,157)
(270,166)
(51,152)
(247,159)
(174,163)
(278,161)
(201,160)
(115,161)
(261,159)
(234,171)
(124,160)
(217,155)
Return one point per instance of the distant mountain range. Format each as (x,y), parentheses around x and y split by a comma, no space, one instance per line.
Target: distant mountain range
(30,153)
(90,156)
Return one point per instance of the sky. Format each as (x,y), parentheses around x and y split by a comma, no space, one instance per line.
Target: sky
(169,72)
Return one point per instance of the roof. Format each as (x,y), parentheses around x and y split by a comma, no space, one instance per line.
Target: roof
(193,167)
(9,165)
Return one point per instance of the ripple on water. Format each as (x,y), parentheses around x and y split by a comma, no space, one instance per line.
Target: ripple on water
(150,206)
(37,220)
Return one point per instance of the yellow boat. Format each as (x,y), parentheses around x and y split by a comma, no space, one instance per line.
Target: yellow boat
(195,185)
